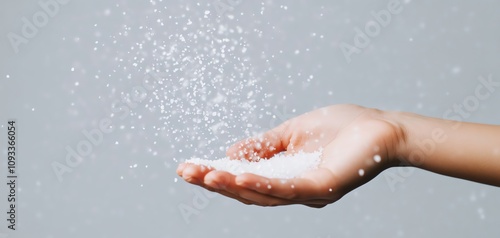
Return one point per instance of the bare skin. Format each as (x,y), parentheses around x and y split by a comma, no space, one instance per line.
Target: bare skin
(358,143)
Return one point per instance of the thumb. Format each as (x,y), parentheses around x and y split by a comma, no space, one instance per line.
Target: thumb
(263,146)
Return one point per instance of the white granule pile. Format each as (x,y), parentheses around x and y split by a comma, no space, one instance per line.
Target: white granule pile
(279,166)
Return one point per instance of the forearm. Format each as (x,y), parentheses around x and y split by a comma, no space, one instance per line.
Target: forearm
(464,150)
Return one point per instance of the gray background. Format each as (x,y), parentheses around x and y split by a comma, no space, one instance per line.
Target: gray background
(66,78)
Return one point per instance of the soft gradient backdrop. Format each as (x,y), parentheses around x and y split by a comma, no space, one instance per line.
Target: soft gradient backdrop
(229,69)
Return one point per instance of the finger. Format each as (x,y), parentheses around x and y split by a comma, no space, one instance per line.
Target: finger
(264,146)
(227,194)
(193,173)
(314,185)
(180,168)
(221,180)
(316,206)
(270,201)
(251,200)
(263,200)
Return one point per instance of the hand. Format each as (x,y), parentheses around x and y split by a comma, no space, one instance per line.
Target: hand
(357,143)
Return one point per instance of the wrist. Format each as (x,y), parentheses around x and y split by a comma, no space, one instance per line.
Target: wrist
(421,137)
(405,136)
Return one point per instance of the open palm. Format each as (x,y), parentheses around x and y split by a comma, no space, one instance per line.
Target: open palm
(357,143)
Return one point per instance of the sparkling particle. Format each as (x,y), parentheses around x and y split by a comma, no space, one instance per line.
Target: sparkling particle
(377,158)
(330,190)
(257,185)
(269,186)
(361,172)
(186,87)
(481,214)
(456,70)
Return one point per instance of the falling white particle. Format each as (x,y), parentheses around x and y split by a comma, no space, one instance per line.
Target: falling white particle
(121,177)
(361,172)
(72,69)
(377,158)
(330,190)
(473,197)
(32,109)
(269,186)
(7,76)
(77,83)
(456,70)
(175,180)
(280,166)
(481,214)
(257,185)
